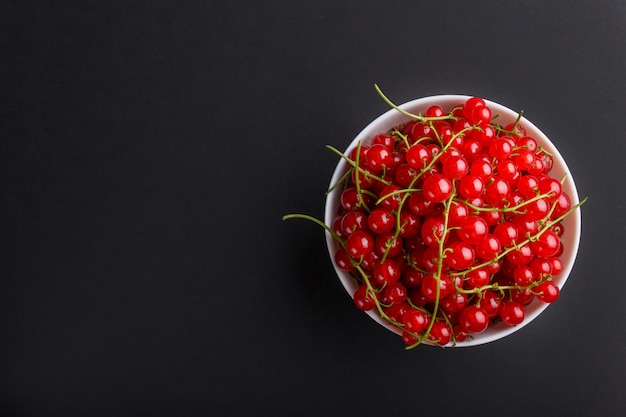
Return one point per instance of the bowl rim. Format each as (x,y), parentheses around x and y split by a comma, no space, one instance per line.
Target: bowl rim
(572,223)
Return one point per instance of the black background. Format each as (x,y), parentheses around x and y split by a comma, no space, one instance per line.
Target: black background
(150,148)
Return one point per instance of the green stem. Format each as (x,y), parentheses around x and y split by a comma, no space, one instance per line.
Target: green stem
(406,113)
(334,235)
(354,165)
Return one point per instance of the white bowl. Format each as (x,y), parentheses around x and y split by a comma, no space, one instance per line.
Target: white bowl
(572,223)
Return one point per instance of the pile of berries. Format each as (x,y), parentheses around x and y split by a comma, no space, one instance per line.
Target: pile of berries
(450,223)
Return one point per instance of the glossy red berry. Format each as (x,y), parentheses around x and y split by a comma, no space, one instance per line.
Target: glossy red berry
(440,333)
(491,303)
(363,298)
(460,255)
(343,261)
(416,320)
(387,272)
(473,229)
(359,244)
(381,220)
(474,319)
(548,292)
(418,156)
(378,157)
(437,188)
(471,186)
(512,313)
(455,167)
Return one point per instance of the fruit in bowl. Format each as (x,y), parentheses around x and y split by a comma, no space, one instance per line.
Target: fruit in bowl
(451,220)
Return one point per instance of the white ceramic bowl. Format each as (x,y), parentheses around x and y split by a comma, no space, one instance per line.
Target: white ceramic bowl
(572,223)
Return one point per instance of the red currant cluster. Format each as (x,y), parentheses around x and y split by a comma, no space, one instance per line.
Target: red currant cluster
(450,223)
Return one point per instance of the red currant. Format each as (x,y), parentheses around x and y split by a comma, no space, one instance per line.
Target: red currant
(474,319)
(359,244)
(512,313)
(363,298)
(547,292)
(437,188)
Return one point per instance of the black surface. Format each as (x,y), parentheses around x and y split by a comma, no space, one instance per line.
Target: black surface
(149,150)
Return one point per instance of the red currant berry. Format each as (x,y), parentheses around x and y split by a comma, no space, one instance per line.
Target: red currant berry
(512,313)
(481,168)
(471,186)
(522,295)
(387,272)
(410,224)
(557,265)
(542,267)
(384,139)
(362,152)
(430,284)
(420,205)
(525,226)
(394,294)
(551,187)
(353,221)
(388,243)
(455,167)
(500,149)
(412,278)
(489,248)
(432,230)
(408,338)
(548,291)
(378,157)
(497,192)
(343,261)
(491,217)
(547,244)
(472,149)
(507,169)
(477,278)
(524,275)
(537,209)
(434,111)
(563,204)
(359,244)
(444,131)
(350,199)
(506,233)
(523,158)
(421,131)
(363,299)
(437,188)
(491,302)
(453,303)
(527,142)
(460,255)
(396,311)
(480,115)
(474,319)
(473,229)
(405,175)
(520,256)
(440,333)
(515,129)
(528,185)
(364,177)
(369,261)
(416,320)
(418,156)
(390,197)
(381,220)
(458,211)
